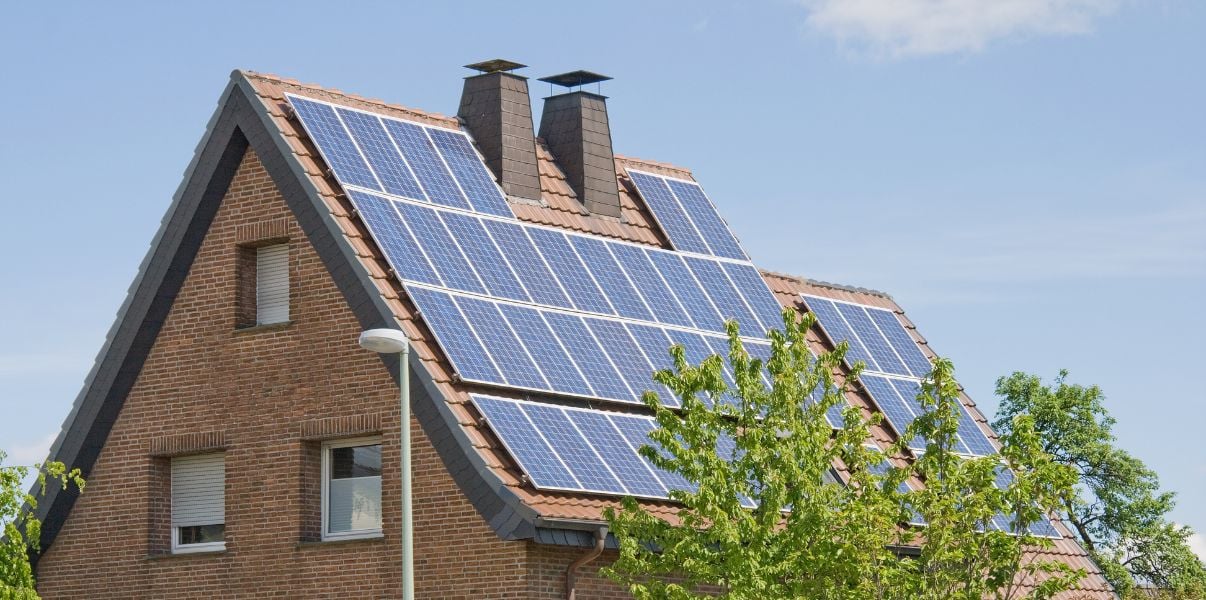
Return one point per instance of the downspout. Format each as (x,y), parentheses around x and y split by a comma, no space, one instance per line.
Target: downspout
(571,572)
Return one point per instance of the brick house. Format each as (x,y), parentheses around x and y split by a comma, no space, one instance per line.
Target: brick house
(237,441)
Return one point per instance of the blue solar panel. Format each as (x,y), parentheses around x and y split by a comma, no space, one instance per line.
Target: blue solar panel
(654,343)
(634,472)
(650,284)
(443,251)
(695,349)
(560,256)
(763,353)
(724,295)
(494,271)
(433,175)
(542,343)
(573,449)
(715,232)
(534,456)
(973,437)
(757,294)
(334,143)
(911,389)
(539,281)
(516,366)
(899,414)
(589,356)
(627,357)
(471,172)
(693,298)
(836,328)
(394,238)
(463,349)
(611,278)
(382,155)
(669,213)
(901,341)
(636,431)
(885,357)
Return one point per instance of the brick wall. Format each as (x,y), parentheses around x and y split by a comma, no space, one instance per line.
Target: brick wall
(268,397)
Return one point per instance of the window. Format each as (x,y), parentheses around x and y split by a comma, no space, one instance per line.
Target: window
(272,284)
(199,503)
(351,489)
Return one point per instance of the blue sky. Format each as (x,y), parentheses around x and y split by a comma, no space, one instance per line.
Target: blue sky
(1026,177)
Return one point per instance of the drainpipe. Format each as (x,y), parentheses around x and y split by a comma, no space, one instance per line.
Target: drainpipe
(572,571)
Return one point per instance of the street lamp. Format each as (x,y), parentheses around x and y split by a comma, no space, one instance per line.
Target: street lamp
(393,341)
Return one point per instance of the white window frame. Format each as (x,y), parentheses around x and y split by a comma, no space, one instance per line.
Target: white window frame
(326,489)
(177,547)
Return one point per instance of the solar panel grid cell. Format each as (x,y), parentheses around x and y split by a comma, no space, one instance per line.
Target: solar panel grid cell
(534,455)
(426,163)
(628,358)
(577,454)
(669,213)
(839,331)
(724,295)
(512,358)
(334,143)
(712,228)
(658,296)
(867,333)
(469,358)
(563,260)
(902,342)
(757,295)
(540,341)
(688,291)
(438,243)
(470,172)
(581,344)
(383,157)
(531,269)
(611,279)
(403,251)
(494,271)
(632,470)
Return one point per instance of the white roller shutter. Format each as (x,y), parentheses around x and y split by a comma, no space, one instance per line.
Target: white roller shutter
(199,490)
(272,284)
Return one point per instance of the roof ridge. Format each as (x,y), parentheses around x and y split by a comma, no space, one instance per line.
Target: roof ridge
(320,88)
(653,163)
(827,284)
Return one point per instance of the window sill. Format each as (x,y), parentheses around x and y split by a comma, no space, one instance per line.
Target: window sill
(265,327)
(368,539)
(198,554)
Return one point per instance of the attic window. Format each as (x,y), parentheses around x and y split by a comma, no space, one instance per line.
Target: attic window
(199,503)
(262,284)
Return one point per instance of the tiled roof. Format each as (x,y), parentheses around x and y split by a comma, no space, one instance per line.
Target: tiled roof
(559,207)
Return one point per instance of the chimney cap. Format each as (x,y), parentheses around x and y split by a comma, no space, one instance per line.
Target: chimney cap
(496,65)
(575,78)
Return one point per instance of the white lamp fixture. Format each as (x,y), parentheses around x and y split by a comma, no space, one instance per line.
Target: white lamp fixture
(393,341)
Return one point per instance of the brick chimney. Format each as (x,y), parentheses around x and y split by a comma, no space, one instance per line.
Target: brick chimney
(497,111)
(574,126)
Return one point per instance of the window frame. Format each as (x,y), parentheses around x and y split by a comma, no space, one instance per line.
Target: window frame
(325,474)
(179,548)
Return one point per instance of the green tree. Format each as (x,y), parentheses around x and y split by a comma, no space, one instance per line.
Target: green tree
(21,528)
(1119,513)
(763,518)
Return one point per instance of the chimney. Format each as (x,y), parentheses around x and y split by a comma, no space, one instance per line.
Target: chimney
(574,126)
(496,110)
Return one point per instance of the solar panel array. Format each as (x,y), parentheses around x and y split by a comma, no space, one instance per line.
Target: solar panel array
(894,367)
(687,216)
(524,306)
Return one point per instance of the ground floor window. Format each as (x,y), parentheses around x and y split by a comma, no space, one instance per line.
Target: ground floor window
(351,488)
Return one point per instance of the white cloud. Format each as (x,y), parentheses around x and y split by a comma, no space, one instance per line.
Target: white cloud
(34,451)
(903,28)
(1198,544)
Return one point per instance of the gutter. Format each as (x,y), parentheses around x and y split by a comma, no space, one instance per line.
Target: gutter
(571,572)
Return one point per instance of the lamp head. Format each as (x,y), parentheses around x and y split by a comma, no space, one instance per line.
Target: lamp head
(384,341)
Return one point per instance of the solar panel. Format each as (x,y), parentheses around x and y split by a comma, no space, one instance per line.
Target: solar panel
(333,141)
(874,341)
(725,296)
(545,347)
(381,153)
(581,344)
(527,263)
(628,358)
(712,228)
(901,341)
(838,330)
(470,171)
(517,367)
(426,163)
(577,454)
(607,273)
(688,291)
(479,249)
(394,237)
(519,436)
(657,294)
(581,287)
(669,214)
(445,253)
(463,349)
(634,472)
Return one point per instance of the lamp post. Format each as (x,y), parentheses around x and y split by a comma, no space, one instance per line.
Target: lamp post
(393,341)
